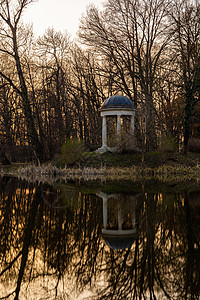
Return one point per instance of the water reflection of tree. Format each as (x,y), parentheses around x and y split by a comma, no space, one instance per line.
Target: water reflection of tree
(73,239)
(67,239)
(165,258)
(162,260)
(19,204)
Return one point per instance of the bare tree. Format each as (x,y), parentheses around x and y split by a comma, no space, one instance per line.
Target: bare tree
(132,36)
(152,38)
(11,33)
(185,16)
(111,41)
(88,90)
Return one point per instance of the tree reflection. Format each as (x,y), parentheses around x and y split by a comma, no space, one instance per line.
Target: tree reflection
(55,232)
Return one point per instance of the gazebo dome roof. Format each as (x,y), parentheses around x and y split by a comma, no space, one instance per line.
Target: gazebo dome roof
(117,101)
(118,243)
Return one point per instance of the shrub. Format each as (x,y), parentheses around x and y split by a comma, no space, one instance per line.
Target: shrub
(169,144)
(72,151)
(194,145)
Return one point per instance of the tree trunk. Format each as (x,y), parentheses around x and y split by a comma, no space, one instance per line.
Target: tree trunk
(32,133)
(187,120)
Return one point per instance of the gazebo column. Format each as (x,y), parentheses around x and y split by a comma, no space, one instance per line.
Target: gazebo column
(104,132)
(105,212)
(132,125)
(119,216)
(119,128)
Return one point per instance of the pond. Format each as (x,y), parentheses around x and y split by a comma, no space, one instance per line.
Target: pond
(99,240)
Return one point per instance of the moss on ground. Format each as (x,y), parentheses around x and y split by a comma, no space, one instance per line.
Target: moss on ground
(154,159)
(150,159)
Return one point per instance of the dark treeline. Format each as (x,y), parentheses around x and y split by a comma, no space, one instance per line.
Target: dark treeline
(51,244)
(51,88)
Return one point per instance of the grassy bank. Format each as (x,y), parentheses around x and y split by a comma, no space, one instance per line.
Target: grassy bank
(148,160)
(160,165)
(151,160)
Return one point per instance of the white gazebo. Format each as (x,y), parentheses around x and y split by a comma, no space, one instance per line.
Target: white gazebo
(118,237)
(116,106)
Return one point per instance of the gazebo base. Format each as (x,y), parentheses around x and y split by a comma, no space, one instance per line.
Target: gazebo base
(117,149)
(105,148)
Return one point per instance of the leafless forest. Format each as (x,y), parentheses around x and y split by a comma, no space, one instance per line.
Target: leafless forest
(52,87)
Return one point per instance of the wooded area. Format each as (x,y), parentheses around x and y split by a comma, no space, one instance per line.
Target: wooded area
(51,88)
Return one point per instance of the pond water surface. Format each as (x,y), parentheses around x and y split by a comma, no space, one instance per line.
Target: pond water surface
(99,240)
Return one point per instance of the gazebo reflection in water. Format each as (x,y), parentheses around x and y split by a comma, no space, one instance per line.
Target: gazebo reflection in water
(119,220)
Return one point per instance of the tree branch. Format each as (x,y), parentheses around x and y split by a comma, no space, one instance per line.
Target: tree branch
(11,83)
(10,264)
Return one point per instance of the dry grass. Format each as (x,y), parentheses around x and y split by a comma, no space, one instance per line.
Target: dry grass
(50,173)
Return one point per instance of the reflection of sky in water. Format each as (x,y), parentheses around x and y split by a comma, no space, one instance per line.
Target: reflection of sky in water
(56,240)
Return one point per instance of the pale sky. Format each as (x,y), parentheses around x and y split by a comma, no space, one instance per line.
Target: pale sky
(60,14)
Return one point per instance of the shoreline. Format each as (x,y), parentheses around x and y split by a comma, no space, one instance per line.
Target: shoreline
(164,172)
(159,165)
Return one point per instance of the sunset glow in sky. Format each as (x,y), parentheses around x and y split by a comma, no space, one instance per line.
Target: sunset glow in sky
(60,14)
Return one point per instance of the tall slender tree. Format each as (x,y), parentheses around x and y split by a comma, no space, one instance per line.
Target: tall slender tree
(185,16)
(10,34)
